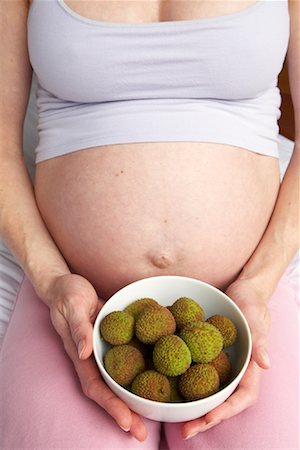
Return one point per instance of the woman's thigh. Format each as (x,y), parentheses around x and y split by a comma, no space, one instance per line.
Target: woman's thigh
(41,402)
(273,422)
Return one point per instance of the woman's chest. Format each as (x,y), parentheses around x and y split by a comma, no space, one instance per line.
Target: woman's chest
(101,58)
(144,11)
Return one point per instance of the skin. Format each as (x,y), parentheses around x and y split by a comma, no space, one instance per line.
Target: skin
(139,230)
(45,253)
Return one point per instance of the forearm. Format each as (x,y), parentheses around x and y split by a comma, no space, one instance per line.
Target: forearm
(280,241)
(22,227)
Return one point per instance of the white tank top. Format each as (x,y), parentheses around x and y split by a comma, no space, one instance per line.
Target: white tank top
(204,80)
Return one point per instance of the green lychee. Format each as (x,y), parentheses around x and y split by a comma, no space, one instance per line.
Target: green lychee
(171,355)
(186,310)
(123,363)
(199,381)
(204,341)
(175,396)
(136,307)
(153,323)
(223,365)
(117,328)
(226,327)
(152,385)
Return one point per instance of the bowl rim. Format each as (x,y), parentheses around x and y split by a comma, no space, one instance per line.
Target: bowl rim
(185,404)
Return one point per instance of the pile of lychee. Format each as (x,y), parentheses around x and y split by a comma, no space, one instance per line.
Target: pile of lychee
(168,354)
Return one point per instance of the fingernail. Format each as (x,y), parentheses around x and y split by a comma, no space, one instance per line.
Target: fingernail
(265,357)
(125,429)
(210,425)
(189,436)
(80,348)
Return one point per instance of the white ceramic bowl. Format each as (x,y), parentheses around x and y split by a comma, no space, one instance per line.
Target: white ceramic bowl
(165,290)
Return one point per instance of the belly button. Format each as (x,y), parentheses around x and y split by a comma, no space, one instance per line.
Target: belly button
(162,261)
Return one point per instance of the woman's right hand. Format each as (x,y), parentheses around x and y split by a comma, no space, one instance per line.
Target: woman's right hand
(74,306)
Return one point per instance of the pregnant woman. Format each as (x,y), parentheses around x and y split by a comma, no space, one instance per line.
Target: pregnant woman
(157,155)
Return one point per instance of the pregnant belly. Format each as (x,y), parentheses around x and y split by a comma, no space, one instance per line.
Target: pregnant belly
(122,212)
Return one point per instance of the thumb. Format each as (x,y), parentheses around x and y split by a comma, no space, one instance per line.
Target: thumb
(82,331)
(260,352)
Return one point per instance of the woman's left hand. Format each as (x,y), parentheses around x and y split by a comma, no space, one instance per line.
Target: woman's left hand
(251,300)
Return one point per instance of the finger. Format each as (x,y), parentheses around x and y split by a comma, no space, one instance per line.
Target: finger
(86,351)
(259,322)
(260,353)
(245,396)
(138,428)
(81,329)
(96,389)
(90,379)
(260,346)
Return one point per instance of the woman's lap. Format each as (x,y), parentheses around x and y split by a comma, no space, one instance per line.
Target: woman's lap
(42,405)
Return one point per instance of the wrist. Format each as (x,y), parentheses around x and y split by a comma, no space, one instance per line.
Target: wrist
(266,266)
(43,282)
(262,279)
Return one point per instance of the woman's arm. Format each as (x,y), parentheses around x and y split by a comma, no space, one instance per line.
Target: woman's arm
(72,300)
(21,225)
(281,238)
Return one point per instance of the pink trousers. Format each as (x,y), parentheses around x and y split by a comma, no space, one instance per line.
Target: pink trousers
(42,405)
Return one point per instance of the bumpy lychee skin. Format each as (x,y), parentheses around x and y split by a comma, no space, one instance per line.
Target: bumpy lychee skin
(223,365)
(123,363)
(171,356)
(117,328)
(199,381)
(186,310)
(153,323)
(136,307)
(175,396)
(226,327)
(204,341)
(152,385)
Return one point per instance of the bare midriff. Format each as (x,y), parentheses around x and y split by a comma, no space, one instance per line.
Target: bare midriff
(122,212)
(119,213)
